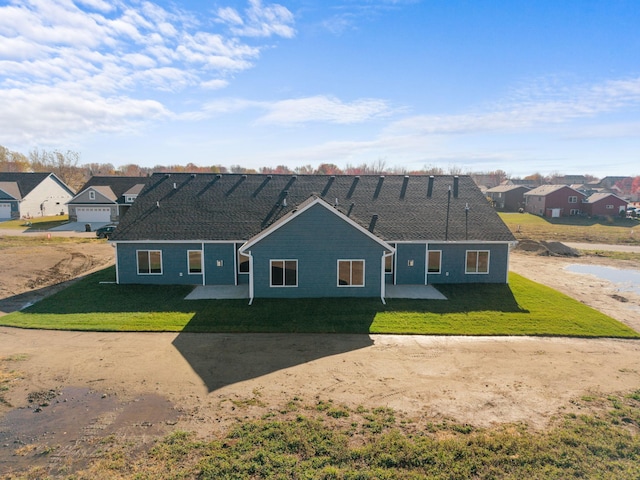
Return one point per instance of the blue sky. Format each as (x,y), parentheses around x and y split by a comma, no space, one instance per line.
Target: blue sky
(520,86)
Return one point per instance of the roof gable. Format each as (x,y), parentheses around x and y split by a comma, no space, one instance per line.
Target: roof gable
(11,189)
(545,190)
(301,210)
(117,185)
(27,181)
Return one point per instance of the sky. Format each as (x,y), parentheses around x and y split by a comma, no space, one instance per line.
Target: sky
(523,86)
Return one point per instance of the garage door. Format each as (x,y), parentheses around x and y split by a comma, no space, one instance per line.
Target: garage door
(93,214)
(5,211)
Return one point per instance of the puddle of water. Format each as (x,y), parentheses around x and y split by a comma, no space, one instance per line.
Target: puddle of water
(64,427)
(626,280)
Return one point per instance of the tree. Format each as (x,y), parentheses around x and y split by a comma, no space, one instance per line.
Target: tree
(63,165)
(13,161)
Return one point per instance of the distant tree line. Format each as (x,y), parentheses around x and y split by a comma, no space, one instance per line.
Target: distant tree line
(66,165)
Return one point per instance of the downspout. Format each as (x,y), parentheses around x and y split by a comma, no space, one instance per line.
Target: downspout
(383,285)
(203,266)
(250,276)
(115,247)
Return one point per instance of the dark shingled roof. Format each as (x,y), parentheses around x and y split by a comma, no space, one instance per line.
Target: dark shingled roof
(237,207)
(118,185)
(26,181)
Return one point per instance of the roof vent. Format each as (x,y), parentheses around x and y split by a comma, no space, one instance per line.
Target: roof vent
(284,202)
(455,187)
(430,186)
(175,185)
(158,204)
(405,182)
(335,203)
(372,224)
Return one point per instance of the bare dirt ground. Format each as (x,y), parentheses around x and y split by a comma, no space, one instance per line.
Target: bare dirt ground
(69,390)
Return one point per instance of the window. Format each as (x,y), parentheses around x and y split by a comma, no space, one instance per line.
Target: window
(477,261)
(609,207)
(284,273)
(573,199)
(149,262)
(219,263)
(243,263)
(434,261)
(388,264)
(574,211)
(410,263)
(351,273)
(92,195)
(195,261)
(129,198)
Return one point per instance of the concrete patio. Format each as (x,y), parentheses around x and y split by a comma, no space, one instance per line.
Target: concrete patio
(230,292)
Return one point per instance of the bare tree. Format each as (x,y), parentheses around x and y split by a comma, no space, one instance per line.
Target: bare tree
(64,165)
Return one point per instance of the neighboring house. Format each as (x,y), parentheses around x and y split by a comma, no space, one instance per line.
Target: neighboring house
(610,181)
(311,235)
(554,201)
(507,198)
(29,195)
(605,204)
(105,199)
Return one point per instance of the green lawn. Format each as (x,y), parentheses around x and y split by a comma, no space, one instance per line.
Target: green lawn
(610,230)
(520,308)
(40,223)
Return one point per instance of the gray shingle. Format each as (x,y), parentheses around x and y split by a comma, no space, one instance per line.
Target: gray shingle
(237,207)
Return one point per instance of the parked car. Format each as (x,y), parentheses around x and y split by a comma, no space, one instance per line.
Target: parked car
(106,231)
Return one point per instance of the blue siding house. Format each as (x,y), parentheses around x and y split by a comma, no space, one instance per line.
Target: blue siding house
(286,236)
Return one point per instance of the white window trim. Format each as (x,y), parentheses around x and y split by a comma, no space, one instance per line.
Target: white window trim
(92,195)
(189,262)
(476,272)
(351,260)
(439,263)
(271,261)
(573,199)
(148,254)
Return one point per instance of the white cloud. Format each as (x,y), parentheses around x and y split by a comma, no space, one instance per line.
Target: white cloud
(261,20)
(324,109)
(533,109)
(119,55)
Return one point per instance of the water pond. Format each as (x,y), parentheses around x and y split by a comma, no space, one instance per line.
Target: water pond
(626,280)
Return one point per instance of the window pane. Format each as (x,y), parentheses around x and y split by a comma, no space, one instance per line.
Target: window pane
(243,263)
(143,261)
(277,274)
(357,272)
(388,264)
(195,261)
(155,261)
(434,262)
(291,273)
(472,261)
(344,273)
(483,262)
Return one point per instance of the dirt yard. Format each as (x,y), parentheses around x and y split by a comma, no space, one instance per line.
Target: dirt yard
(70,389)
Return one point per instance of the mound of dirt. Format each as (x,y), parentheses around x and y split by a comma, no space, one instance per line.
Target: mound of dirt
(558,249)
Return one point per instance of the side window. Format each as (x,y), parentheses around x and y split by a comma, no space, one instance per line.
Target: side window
(194,258)
(149,262)
(243,263)
(434,261)
(477,261)
(351,273)
(92,195)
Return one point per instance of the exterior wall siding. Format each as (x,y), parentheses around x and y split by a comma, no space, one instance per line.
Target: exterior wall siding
(219,263)
(600,208)
(454,263)
(317,239)
(175,268)
(50,195)
(406,253)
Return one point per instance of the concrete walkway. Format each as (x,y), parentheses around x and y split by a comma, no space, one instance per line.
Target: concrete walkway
(424,292)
